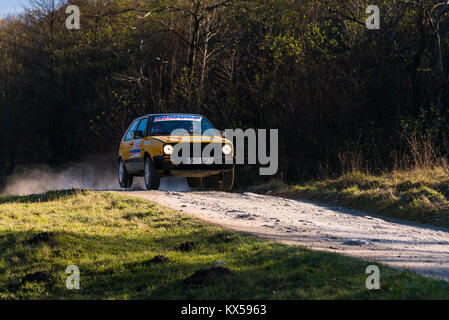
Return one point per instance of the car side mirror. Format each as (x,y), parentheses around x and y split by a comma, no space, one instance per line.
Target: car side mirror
(138,134)
(223,134)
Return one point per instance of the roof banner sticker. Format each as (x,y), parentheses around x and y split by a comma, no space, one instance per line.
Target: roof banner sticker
(175,118)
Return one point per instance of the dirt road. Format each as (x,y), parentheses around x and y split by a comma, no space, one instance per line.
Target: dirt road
(397,243)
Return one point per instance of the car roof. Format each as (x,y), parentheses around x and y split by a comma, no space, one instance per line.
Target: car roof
(169,114)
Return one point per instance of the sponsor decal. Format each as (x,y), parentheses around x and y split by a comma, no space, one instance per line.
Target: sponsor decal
(134,153)
(177,118)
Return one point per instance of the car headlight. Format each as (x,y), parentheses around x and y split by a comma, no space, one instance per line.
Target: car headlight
(168,149)
(227,149)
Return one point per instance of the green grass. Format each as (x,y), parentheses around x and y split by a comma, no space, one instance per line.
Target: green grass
(111,238)
(420,195)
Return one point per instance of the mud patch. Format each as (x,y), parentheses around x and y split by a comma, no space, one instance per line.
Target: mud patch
(207,276)
(245,216)
(355,242)
(39,277)
(43,237)
(187,246)
(159,259)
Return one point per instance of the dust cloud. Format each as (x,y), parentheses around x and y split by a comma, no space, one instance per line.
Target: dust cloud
(94,173)
(91,173)
(174,184)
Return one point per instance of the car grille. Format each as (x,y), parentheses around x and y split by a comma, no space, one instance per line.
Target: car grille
(201,146)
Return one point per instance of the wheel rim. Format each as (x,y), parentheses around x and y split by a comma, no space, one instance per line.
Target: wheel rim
(147,172)
(121,172)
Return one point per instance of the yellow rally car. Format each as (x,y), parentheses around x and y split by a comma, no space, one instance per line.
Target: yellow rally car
(148,146)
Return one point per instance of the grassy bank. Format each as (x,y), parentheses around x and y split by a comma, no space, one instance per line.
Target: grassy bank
(113,239)
(420,195)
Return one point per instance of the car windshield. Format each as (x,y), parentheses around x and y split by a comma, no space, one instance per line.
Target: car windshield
(183,125)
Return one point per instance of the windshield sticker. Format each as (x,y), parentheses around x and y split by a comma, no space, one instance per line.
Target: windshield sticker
(177,118)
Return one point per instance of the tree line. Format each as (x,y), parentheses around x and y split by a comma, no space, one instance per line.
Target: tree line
(338,92)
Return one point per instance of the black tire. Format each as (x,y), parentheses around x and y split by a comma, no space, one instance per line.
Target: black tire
(194,183)
(151,177)
(125,180)
(211,182)
(227,180)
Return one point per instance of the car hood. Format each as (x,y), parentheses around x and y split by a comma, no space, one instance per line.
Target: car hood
(190,139)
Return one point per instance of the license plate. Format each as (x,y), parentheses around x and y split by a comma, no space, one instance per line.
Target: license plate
(199,160)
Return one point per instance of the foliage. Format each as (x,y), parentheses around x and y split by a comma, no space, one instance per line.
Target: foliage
(309,68)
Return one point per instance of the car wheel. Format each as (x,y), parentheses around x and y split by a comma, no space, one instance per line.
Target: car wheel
(194,183)
(151,177)
(124,179)
(227,180)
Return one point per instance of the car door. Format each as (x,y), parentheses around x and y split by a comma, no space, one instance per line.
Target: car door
(145,146)
(128,143)
(136,153)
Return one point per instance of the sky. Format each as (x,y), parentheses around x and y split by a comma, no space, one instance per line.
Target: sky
(11,6)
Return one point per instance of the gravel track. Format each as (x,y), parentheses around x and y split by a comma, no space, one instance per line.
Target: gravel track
(397,243)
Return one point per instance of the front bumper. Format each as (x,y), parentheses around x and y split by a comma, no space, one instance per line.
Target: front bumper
(165,166)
